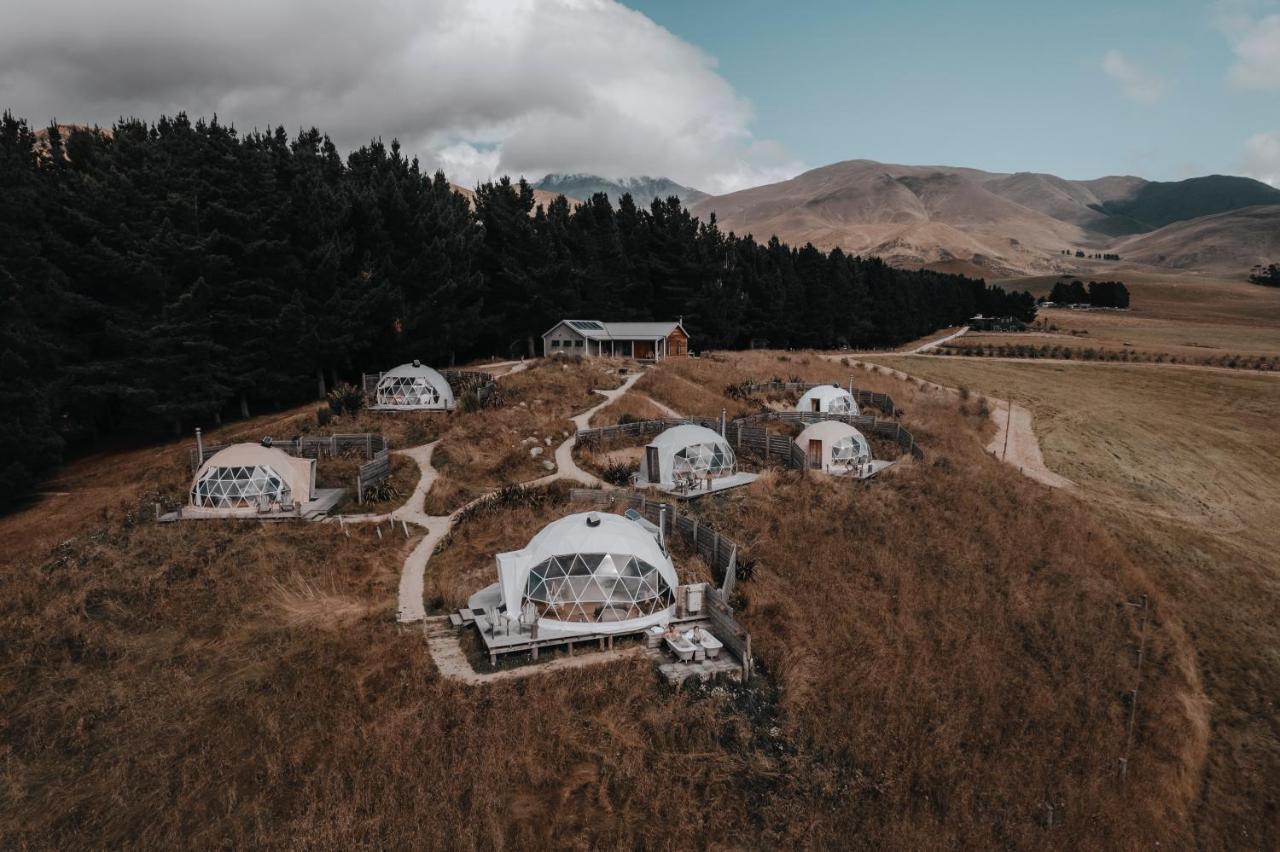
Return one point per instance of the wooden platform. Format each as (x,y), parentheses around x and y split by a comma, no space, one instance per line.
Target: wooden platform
(313,510)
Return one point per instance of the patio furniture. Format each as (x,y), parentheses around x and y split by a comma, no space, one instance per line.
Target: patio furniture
(653,637)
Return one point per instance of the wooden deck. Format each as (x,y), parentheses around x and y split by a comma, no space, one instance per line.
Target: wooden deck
(718,484)
(313,510)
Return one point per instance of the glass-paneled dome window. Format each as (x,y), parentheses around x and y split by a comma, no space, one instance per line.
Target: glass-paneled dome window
(589,573)
(240,487)
(597,587)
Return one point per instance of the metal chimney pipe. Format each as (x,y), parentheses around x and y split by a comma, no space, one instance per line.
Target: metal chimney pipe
(662,526)
(722,413)
(199,446)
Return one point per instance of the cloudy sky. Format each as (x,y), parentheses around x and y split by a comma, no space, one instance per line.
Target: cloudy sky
(715,94)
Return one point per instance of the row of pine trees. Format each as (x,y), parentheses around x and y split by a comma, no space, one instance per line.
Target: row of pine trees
(155,276)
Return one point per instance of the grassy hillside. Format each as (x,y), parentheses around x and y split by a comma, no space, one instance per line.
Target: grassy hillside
(945,658)
(1181,464)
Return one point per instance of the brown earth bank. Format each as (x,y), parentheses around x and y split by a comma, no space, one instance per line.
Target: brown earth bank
(946,658)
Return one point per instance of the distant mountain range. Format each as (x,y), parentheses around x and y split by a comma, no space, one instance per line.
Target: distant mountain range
(989,223)
(643,189)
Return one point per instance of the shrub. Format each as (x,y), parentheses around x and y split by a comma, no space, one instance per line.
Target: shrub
(346,399)
(628,417)
(324,414)
(617,473)
(984,409)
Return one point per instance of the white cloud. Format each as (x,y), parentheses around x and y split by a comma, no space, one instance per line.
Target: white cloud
(479,87)
(1136,83)
(1254,32)
(1262,157)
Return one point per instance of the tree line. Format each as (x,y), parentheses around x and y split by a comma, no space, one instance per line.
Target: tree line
(1267,276)
(1099,294)
(158,275)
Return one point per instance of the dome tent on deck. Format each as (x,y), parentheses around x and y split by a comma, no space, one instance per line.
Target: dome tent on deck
(687,450)
(243,478)
(413,387)
(835,447)
(589,573)
(827,399)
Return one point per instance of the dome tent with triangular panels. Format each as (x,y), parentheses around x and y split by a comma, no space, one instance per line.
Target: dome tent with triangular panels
(412,387)
(589,573)
(689,457)
(836,447)
(827,399)
(247,480)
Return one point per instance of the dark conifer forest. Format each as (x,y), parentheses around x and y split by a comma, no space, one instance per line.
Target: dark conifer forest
(158,276)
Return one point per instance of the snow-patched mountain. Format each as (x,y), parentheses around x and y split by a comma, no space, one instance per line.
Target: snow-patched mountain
(642,189)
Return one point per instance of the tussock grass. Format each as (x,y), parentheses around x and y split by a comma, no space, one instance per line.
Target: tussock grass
(942,654)
(632,405)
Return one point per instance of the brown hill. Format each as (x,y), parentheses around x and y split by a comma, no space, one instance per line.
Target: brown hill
(1224,242)
(910,215)
(1000,224)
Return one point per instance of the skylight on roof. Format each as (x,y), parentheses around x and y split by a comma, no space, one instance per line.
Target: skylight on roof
(586,325)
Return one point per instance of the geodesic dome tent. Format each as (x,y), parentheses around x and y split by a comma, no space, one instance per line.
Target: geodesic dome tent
(413,387)
(835,447)
(686,451)
(827,399)
(249,478)
(590,573)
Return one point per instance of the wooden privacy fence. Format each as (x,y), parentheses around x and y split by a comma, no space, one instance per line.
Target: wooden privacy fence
(718,551)
(742,434)
(307,446)
(864,423)
(372,472)
(882,401)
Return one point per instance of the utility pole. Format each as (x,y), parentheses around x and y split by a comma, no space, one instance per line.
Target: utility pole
(1008,423)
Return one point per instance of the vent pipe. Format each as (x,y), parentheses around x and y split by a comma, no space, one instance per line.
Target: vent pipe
(199,446)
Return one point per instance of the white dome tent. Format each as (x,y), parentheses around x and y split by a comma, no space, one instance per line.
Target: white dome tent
(413,387)
(589,573)
(837,448)
(828,399)
(251,479)
(688,457)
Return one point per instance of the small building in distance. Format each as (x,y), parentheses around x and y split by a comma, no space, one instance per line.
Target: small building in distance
(828,399)
(645,341)
(981,323)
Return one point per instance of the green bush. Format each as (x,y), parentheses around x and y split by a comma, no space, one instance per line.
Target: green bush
(346,399)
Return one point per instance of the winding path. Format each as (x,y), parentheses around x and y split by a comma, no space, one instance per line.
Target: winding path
(411,608)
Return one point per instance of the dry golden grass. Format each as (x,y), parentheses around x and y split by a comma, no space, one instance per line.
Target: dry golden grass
(1182,464)
(943,652)
(631,404)
(486,449)
(1183,313)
